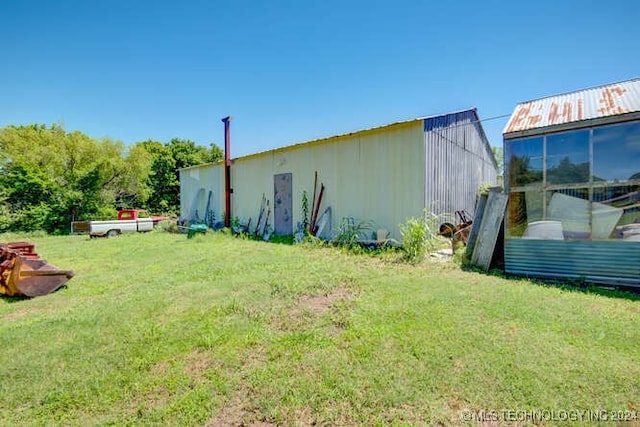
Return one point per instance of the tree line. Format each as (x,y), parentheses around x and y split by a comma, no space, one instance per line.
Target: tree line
(50,177)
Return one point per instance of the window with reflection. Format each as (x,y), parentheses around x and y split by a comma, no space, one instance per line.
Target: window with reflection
(525,161)
(524,207)
(616,212)
(576,185)
(616,152)
(571,211)
(568,157)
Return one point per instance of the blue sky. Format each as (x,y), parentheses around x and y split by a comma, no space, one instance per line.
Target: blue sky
(293,71)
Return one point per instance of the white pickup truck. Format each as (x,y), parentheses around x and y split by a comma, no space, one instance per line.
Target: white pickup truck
(129,221)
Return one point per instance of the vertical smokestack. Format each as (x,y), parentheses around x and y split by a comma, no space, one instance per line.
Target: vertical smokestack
(227,171)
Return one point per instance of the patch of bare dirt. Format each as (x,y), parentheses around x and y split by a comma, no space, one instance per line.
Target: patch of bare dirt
(307,308)
(198,362)
(459,365)
(155,398)
(237,411)
(16,314)
(405,415)
(321,304)
(442,255)
(160,369)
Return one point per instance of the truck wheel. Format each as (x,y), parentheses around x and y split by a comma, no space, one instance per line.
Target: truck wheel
(112,233)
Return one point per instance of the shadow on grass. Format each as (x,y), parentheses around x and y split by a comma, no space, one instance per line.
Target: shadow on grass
(573,285)
(19,298)
(11,300)
(282,240)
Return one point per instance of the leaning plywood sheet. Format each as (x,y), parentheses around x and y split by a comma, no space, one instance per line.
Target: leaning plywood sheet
(489,229)
(477,222)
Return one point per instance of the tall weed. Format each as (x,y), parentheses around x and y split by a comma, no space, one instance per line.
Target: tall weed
(419,236)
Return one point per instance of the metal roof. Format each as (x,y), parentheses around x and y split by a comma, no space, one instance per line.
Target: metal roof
(597,102)
(361,131)
(473,111)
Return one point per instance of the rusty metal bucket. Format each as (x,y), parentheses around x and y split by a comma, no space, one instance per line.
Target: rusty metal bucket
(24,273)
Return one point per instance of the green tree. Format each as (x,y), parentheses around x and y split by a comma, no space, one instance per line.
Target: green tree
(498,154)
(161,179)
(50,177)
(164,176)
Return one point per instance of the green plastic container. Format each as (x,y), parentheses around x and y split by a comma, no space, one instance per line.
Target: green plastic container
(196,228)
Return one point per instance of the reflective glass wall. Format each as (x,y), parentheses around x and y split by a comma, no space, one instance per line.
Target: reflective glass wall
(581,184)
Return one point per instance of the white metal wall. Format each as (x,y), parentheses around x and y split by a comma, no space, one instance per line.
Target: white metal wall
(383,175)
(195,184)
(374,175)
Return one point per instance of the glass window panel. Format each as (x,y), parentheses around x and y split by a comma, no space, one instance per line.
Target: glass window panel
(612,212)
(616,211)
(570,207)
(524,161)
(524,208)
(516,214)
(616,152)
(568,158)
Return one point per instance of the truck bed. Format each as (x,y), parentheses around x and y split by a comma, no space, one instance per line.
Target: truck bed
(80,227)
(111,227)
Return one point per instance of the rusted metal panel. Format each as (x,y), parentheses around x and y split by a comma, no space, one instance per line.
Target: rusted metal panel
(24,273)
(602,101)
(605,262)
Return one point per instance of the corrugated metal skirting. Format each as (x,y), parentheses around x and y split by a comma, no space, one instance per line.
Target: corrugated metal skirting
(606,262)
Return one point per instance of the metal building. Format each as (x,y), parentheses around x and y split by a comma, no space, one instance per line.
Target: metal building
(572,173)
(381,176)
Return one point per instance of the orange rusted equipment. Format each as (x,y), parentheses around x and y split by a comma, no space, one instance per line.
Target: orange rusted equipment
(460,232)
(24,273)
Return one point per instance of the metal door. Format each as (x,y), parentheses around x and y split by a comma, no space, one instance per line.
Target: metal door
(282,204)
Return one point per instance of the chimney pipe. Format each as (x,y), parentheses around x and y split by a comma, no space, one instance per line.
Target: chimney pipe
(227,171)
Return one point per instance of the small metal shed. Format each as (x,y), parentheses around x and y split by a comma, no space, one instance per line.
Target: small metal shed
(572,174)
(383,175)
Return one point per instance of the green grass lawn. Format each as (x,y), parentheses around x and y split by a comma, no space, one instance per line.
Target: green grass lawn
(160,329)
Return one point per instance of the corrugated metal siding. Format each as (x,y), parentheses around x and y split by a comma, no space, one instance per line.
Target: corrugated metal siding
(596,261)
(374,175)
(458,159)
(250,179)
(603,101)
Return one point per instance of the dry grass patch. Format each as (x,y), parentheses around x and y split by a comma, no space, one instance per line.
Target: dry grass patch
(307,309)
(21,312)
(321,304)
(238,411)
(149,400)
(198,363)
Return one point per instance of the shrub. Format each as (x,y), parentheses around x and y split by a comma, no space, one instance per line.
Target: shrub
(350,233)
(305,211)
(167,226)
(419,236)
